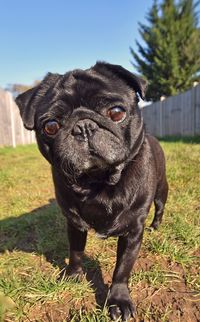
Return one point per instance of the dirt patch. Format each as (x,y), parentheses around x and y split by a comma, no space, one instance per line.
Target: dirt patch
(52,311)
(166,304)
(174,301)
(57,311)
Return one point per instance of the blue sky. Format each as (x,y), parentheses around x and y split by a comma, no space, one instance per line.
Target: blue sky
(59,35)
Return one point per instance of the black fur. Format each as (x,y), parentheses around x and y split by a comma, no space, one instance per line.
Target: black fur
(106,174)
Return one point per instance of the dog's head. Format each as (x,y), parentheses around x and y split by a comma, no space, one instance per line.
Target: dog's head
(86,121)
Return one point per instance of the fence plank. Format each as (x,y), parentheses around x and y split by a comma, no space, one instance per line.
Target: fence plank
(12,131)
(5,129)
(197,110)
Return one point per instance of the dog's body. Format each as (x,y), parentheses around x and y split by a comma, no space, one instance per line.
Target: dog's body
(107,171)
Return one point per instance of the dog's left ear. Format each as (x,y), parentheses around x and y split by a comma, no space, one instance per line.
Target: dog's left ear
(132,80)
(26,107)
(28,101)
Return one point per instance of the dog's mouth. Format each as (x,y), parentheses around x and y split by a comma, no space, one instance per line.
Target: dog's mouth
(89,152)
(89,168)
(93,180)
(93,169)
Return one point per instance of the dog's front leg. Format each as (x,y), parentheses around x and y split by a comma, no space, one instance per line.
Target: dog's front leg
(77,242)
(119,300)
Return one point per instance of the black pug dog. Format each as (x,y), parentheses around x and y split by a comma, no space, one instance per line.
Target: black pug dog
(107,171)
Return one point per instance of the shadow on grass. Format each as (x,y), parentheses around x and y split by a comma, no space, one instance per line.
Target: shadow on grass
(184,139)
(44,232)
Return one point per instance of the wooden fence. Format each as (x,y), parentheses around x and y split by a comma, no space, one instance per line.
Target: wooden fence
(176,115)
(12,131)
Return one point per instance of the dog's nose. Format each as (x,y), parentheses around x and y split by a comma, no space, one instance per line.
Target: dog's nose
(84,129)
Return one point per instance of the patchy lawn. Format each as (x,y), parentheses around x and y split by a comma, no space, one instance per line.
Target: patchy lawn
(165,283)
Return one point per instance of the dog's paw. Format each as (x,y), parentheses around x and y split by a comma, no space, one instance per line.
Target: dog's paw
(120,303)
(68,272)
(74,272)
(154,226)
(150,229)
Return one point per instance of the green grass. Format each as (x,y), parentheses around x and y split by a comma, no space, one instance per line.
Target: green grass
(165,283)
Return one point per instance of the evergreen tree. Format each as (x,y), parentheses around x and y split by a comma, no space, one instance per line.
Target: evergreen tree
(170,58)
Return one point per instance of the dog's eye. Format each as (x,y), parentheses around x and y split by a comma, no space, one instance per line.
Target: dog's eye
(51,127)
(117,113)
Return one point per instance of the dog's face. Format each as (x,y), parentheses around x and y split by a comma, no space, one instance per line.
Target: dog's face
(85,121)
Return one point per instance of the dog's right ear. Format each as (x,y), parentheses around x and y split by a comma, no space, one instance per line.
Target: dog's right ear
(26,107)
(28,101)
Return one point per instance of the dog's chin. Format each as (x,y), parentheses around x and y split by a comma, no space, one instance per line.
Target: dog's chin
(91,170)
(91,167)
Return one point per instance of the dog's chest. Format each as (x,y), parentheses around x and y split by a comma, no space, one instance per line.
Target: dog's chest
(98,214)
